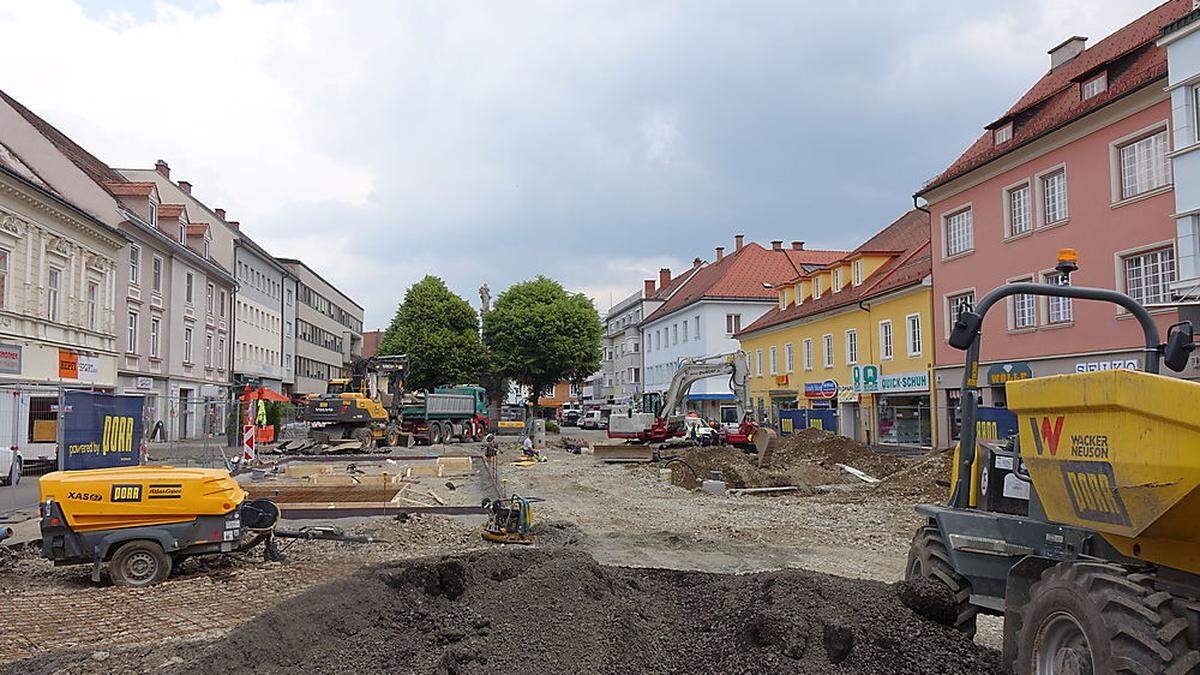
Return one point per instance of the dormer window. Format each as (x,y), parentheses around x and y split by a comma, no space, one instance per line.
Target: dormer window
(182,234)
(837,280)
(205,248)
(152,214)
(1003,133)
(816,288)
(1095,86)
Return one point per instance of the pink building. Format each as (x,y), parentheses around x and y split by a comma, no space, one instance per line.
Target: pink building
(1080,161)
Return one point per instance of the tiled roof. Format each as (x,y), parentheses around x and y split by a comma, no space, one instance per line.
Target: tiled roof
(740,276)
(1131,60)
(170,210)
(665,292)
(126,189)
(197,229)
(98,171)
(908,234)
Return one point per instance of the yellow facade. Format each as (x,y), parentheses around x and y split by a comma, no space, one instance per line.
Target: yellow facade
(776,384)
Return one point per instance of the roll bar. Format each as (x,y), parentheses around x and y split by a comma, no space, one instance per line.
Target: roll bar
(966,335)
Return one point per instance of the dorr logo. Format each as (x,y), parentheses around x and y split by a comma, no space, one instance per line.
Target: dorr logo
(1047,436)
(127,493)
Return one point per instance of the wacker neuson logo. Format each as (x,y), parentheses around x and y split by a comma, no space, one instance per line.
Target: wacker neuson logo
(1047,436)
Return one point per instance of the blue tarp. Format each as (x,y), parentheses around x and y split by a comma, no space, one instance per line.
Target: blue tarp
(101,430)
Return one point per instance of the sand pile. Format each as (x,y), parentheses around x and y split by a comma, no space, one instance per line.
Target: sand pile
(558,611)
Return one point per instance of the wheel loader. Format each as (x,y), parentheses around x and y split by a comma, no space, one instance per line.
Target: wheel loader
(1083,530)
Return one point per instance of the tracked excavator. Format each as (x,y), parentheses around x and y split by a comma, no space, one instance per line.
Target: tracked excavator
(1081,530)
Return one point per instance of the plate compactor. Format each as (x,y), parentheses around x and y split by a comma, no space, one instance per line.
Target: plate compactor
(1081,530)
(144,520)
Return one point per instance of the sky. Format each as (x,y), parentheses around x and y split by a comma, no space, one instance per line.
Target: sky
(592,142)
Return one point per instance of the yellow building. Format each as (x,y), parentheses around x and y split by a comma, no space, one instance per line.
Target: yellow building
(855,338)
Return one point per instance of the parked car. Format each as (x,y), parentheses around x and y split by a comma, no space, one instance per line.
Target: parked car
(593,419)
(10,466)
(570,418)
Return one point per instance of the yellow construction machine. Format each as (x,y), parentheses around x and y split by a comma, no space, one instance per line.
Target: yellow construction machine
(358,408)
(1082,531)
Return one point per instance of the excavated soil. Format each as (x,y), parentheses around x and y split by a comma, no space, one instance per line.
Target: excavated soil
(827,450)
(558,611)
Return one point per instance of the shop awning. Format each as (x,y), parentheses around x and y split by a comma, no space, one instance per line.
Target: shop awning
(710,397)
(262,394)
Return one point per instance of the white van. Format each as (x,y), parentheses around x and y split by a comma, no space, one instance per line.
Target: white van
(593,419)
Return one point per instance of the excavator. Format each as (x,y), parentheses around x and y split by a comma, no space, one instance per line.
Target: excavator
(1081,529)
(667,419)
(354,409)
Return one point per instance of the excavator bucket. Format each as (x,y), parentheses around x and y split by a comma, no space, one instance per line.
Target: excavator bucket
(765,441)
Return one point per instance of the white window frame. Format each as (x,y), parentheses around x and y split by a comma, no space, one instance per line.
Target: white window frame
(208,349)
(1002,134)
(220,356)
(135,264)
(131,331)
(948,306)
(1120,257)
(851,346)
(837,279)
(211,298)
(733,323)
(5,257)
(1049,304)
(886,348)
(54,292)
(827,344)
(913,338)
(152,213)
(968,238)
(156,274)
(187,345)
(1116,160)
(758,362)
(1094,86)
(189,288)
(774,360)
(1014,306)
(1040,194)
(856,272)
(91,299)
(1009,214)
(816,285)
(808,354)
(155,335)
(789,357)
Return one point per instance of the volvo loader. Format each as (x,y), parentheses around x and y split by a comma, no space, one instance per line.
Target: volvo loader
(1083,530)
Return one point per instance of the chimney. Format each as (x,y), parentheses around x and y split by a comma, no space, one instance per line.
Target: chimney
(220,213)
(797,246)
(1065,51)
(777,245)
(664,277)
(161,167)
(720,252)
(648,288)
(739,241)
(236,225)
(185,186)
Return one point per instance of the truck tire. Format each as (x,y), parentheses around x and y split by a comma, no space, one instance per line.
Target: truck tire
(928,558)
(139,563)
(1098,617)
(435,433)
(478,435)
(366,437)
(392,437)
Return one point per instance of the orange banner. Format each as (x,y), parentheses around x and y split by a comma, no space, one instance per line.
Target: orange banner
(68,365)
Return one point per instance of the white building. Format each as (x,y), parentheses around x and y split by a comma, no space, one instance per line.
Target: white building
(1181,39)
(718,298)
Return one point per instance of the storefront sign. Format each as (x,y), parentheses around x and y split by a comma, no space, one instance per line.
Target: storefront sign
(846,394)
(1117,364)
(826,389)
(143,384)
(10,359)
(1008,372)
(781,380)
(868,379)
(72,366)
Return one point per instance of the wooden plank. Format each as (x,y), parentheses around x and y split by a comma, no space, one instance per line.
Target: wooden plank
(283,493)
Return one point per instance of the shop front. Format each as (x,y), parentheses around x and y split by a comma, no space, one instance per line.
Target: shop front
(902,403)
(30,362)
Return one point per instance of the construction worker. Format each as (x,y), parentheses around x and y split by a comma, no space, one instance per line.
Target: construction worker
(527,447)
(490,449)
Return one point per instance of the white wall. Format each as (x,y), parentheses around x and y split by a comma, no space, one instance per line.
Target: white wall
(660,364)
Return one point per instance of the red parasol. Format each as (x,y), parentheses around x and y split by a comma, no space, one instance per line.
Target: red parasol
(262,394)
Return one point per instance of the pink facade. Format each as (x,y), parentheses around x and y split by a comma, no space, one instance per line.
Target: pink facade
(1099,225)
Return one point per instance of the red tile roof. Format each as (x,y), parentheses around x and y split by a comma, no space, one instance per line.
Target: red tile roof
(170,210)
(909,235)
(197,229)
(740,276)
(129,189)
(1129,56)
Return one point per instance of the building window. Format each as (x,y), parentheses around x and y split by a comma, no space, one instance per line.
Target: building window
(857,274)
(674,333)
(789,357)
(156,268)
(1144,165)
(1003,134)
(1024,309)
(188,288)
(837,279)
(1058,310)
(211,299)
(733,323)
(221,353)
(221,309)
(1054,197)
(289,297)
(187,345)
(885,339)
(914,334)
(53,286)
(657,340)
(135,263)
(152,214)
(685,330)
(816,284)
(758,362)
(155,329)
(1149,275)
(3,276)
(957,304)
(774,360)
(828,350)
(960,237)
(92,299)
(851,347)
(131,335)
(1017,201)
(696,324)
(808,354)
(1095,86)
(208,349)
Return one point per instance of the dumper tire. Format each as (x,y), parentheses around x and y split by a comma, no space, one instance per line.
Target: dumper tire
(928,558)
(139,563)
(364,436)
(1128,625)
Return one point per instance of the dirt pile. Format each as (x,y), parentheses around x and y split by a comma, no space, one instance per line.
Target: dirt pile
(927,480)
(828,449)
(558,611)
(740,469)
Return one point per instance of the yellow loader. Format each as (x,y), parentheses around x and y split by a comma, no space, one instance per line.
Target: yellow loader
(1083,531)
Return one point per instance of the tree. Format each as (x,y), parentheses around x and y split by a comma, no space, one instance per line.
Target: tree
(439,332)
(539,334)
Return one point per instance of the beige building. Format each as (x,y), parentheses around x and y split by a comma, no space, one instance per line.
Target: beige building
(329,329)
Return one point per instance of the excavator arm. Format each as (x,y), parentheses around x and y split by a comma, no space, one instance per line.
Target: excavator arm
(693,370)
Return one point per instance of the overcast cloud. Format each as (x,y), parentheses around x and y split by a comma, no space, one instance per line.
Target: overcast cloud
(493,141)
